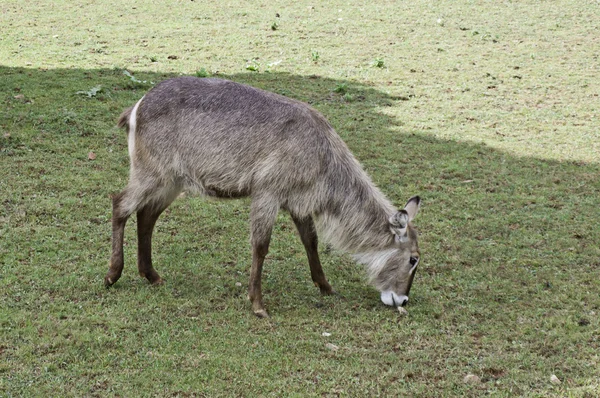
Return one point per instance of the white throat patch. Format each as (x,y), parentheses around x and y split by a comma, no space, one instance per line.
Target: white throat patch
(375,261)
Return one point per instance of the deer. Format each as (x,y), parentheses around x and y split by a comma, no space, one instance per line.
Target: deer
(222,139)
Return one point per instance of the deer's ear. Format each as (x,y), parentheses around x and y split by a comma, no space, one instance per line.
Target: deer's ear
(398,223)
(412,207)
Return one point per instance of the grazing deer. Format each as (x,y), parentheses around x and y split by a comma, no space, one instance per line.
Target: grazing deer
(228,140)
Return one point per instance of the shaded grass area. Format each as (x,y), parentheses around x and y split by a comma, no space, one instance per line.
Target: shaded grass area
(508,289)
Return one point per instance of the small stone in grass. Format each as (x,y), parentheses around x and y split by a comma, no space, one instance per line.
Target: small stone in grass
(471,379)
(554,379)
(332,347)
(402,311)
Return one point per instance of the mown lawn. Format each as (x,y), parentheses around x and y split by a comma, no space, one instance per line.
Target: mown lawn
(487,110)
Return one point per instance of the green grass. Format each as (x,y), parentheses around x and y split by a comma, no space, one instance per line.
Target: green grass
(488,111)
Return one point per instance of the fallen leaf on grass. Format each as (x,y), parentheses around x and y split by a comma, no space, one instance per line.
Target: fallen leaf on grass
(92,92)
(91,156)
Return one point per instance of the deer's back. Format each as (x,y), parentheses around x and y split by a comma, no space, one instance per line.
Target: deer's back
(233,139)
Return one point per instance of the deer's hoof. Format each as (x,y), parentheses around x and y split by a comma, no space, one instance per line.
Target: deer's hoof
(157,282)
(108,282)
(261,313)
(326,290)
(152,277)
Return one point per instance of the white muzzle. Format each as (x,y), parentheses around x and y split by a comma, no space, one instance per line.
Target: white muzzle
(392,299)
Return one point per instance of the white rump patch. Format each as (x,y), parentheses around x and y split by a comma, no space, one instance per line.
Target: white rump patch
(375,261)
(131,132)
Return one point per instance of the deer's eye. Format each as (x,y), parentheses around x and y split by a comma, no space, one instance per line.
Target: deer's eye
(413,261)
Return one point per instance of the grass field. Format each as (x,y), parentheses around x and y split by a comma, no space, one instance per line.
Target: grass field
(487,110)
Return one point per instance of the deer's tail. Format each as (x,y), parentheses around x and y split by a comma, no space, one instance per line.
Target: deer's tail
(124,118)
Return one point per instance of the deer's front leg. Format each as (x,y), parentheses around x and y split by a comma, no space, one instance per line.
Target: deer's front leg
(259,252)
(308,235)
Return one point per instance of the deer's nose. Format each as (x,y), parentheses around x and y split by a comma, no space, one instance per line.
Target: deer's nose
(392,299)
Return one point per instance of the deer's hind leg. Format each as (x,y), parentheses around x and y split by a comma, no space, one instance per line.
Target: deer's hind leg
(120,215)
(146,220)
(148,200)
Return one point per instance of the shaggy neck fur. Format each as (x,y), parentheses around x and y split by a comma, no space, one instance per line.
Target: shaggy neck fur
(355,219)
(375,261)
